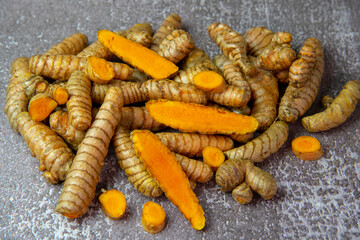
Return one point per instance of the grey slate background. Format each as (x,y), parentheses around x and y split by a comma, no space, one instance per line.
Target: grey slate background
(315,200)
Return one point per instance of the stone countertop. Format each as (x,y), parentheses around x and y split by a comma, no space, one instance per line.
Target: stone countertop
(316,199)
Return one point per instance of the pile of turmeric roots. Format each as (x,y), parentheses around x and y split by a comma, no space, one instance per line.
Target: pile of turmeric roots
(129,87)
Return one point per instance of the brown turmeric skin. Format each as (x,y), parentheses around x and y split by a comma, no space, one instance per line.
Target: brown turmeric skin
(195,170)
(54,155)
(263,146)
(304,80)
(140,33)
(79,187)
(337,112)
(56,91)
(242,193)
(193,144)
(71,45)
(233,46)
(138,118)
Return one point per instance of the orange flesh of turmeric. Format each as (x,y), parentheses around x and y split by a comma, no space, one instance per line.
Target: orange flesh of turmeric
(103,71)
(307,148)
(153,217)
(113,203)
(137,55)
(213,157)
(190,117)
(61,96)
(209,81)
(164,167)
(41,108)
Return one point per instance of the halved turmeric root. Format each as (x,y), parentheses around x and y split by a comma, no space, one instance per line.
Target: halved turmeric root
(40,107)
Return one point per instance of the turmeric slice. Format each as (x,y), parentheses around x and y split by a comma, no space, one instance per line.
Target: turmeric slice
(71,45)
(337,112)
(137,55)
(153,217)
(209,81)
(213,156)
(164,167)
(113,203)
(40,107)
(56,91)
(307,148)
(190,117)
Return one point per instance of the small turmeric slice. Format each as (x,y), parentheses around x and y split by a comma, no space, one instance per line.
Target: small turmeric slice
(40,107)
(209,81)
(153,217)
(213,156)
(137,55)
(190,117)
(307,148)
(164,167)
(113,204)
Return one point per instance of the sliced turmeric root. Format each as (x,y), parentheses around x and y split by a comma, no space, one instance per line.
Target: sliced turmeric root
(40,107)
(137,55)
(307,148)
(209,81)
(190,117)
(153,217)
(164,167)
(113,204)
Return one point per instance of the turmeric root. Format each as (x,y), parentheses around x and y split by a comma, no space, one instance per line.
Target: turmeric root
(71,45)
(138,76)
(307,148)
(99,70)
(260,38)
(213,157)
(232,45)
(195,170)
(193,144)
(176,45)
(138,118)
(263,146)
(140,33)
(79,187)
(304,80)
(56,91)
(337,112)
(153,217)
(132,165)
(40,107)
(113,204)
(79,104)
(54,155)
(197,57)
(96,49)
(326,101)
(59,123)
(170,23)
(242,193)
(209,81)
(191,117)
(282,76)
(122,71)
(136,55)
(163,166)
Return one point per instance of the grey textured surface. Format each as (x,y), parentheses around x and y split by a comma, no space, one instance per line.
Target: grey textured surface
(315,200)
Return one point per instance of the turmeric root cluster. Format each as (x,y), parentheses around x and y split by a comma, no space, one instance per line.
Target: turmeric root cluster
(74,101)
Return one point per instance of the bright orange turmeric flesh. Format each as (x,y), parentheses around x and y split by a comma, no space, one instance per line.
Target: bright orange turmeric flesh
(165,169)
(113,204)
(209,81)
(191,117)
(40,107)
(153,217)
(213,157)
(137,55)
(99,70)
(307,148)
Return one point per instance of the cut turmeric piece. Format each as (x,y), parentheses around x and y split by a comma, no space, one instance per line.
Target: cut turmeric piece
(137,55)
(113,204)
(307,148)
(209,81)
(99,70)
(153,217)
(191,117)
(40,107)
(166,170)
(213,156)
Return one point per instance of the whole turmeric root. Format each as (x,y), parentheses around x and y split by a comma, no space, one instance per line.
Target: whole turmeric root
(263,146)
(304,80)
(195,170)
(337,112)
(71,45)
(54,155)
(79,187)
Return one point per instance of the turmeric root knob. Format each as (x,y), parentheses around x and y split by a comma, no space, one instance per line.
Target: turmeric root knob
(307,148)
(113,204)
(209,81)
(153,217)
(213,156)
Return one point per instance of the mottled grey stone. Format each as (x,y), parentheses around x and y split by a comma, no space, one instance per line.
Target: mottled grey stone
(315,200)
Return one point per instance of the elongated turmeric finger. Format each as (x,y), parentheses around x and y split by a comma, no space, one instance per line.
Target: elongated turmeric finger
(71,45)
(137,55)
(40,107)
(163,166)
(113,204)
(132,165)
(193,144)
(263,146)
(79,187)
(54,155)
(96,49)
(337,112)
(191,117)
(195,170)
(213,157)
(307,148)
(153,217)
(138,118)
(79,104)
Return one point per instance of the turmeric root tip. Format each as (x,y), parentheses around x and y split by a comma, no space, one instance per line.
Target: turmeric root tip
(213,156)
(307,148)
(113,204)
(209,81)
(153,217)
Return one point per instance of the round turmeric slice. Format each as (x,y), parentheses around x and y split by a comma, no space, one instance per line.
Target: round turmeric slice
(307,148)
(153,217)
(113,204)
(209,81)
